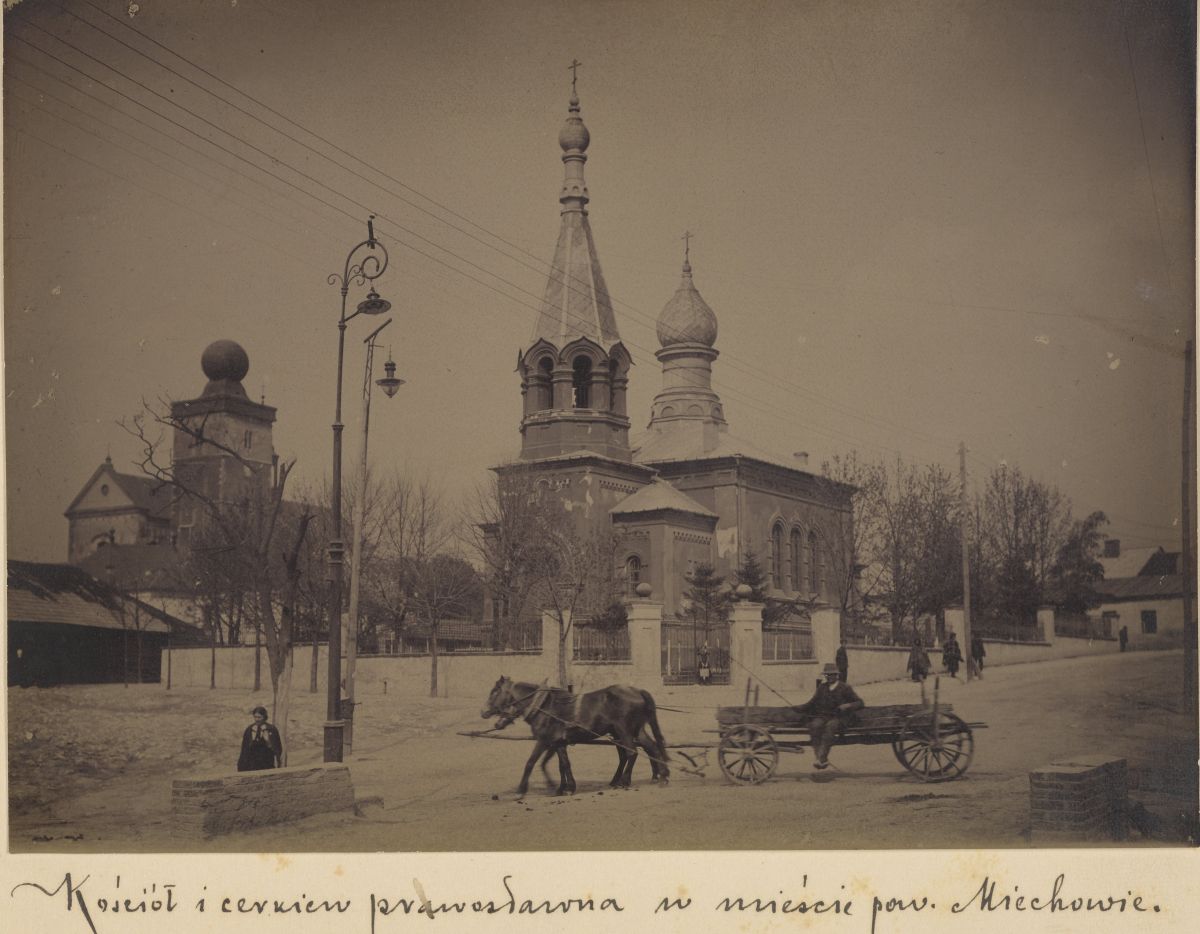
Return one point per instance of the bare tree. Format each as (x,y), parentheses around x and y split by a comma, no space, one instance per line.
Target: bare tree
(852,538)
(443,586)
(536,555)
(1021,526)
(502,530)
(235,528)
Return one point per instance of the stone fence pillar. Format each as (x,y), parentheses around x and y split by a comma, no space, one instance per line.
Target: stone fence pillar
(745,641)
(826,632)
(550,646)
(956,623)
(1045,618)
(645,641)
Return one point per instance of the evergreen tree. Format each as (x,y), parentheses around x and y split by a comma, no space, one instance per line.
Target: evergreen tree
(707,601)
(753,576)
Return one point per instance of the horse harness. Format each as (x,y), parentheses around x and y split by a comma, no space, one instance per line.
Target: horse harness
(538,696)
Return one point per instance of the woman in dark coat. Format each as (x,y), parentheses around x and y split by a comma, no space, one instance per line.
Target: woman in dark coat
(951,655)
(918,661)
(261,746)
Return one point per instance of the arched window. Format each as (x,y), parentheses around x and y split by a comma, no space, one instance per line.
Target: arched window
(633,574)
(813,560)
(545,385)
(797,557)
(581,381)
(777,556)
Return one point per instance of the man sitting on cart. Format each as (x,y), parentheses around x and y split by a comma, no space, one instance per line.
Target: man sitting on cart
(830,710)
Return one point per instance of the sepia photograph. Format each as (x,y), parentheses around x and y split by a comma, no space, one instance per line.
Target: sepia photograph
(531,427)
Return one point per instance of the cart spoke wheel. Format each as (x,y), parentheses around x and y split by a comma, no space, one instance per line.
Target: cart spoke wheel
(748,755)
(935,752)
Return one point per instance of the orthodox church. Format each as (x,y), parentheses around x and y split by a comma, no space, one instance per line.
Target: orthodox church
(685,491)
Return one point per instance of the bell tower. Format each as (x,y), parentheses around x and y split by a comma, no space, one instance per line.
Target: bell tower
(575,370)
(223,448)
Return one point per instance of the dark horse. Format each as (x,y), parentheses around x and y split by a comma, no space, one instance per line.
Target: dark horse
(560,719)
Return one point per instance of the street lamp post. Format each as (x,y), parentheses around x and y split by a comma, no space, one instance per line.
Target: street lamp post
(364,263)
(389,384)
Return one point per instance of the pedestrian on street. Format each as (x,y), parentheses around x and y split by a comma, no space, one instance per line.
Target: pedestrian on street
(842,660)
(261,745)
(703,671)
(977,653)
(918,661)
(831,709)
(951,655)
(1123,637)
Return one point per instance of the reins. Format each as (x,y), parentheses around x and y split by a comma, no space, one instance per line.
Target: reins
(540,708)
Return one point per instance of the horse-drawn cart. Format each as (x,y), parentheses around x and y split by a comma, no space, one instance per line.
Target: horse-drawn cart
(930,741)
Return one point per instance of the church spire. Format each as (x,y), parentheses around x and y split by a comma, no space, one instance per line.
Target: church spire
(576,301)
(574,370)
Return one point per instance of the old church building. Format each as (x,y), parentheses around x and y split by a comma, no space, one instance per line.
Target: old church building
(683,491)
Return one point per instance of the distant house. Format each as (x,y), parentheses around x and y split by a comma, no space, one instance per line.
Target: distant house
(454,635)
(67,627)
(1148,601)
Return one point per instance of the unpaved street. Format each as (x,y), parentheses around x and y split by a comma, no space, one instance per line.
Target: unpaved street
(90,770)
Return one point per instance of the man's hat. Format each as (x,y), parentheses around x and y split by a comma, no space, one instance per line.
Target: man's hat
(830,669)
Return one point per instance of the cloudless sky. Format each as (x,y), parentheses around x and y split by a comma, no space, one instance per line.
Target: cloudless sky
(918,223)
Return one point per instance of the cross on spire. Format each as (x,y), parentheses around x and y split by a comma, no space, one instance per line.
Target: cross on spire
(686,238)
(573,68)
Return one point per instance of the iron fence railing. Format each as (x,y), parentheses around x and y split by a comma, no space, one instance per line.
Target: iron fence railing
(593,644)
(787,645)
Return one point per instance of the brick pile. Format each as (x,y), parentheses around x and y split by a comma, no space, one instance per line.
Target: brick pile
(243,800)
(1082,799)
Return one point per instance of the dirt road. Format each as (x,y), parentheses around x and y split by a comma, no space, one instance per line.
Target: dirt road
(90,770)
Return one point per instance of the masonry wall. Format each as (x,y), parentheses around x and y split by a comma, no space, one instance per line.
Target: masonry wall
(466,675)
(1078,800)
(243,800)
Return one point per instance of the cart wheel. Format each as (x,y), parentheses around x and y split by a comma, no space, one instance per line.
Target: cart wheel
(748,755)
(935,754)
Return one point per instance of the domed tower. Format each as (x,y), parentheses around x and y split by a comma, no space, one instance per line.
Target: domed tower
(575,370)
(223,448)
(687,407)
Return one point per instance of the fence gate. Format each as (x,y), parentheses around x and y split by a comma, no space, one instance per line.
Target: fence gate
(680,644)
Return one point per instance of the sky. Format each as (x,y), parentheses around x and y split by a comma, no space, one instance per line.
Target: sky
(918,223)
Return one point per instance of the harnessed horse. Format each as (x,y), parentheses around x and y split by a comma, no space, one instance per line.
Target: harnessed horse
(559,719)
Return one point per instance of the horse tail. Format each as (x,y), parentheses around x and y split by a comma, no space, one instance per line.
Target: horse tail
(652,719)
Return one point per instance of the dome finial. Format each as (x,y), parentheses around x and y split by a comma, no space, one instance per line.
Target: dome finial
(574,139)
(573,68)
(686,238)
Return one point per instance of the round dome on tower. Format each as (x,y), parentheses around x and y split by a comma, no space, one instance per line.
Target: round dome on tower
(225,360)
(574,135)
(686,318)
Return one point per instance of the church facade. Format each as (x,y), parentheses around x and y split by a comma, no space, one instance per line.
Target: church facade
(684,491)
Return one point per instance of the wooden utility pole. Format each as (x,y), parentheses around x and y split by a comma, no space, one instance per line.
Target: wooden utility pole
(964,534)
(1188,556)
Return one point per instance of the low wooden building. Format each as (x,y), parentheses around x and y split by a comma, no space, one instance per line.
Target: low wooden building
(67,627)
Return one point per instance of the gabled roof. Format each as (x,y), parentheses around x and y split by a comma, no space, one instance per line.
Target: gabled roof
(1141,587)
(657,496)
(146,493)
(1161,562)
(140,566)
(59,593)
(1128,563)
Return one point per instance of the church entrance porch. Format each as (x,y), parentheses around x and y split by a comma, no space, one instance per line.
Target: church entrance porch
(682,651)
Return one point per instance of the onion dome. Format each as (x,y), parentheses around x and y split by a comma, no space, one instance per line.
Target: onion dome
(574,135)
(686,318)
